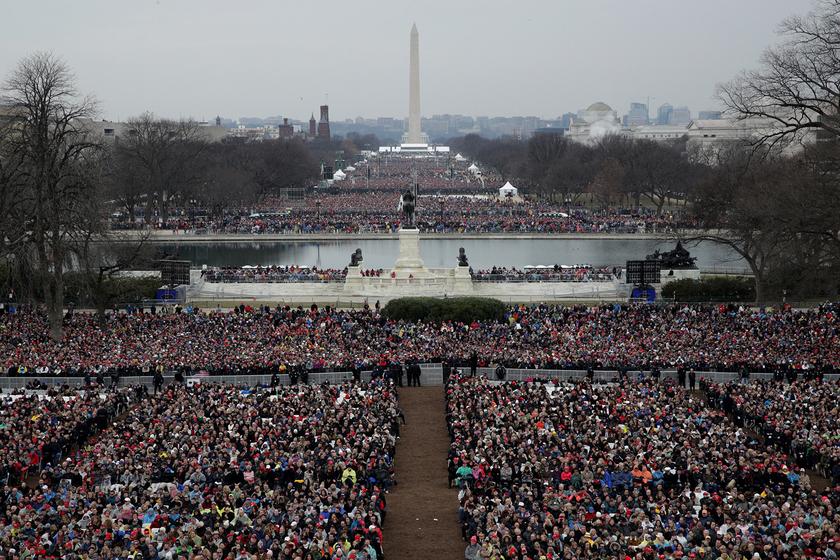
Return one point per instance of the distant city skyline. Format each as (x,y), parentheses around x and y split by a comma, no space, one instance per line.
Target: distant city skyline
(192,59)
(636,109)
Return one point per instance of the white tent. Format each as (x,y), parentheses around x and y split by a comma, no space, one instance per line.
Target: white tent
(339,175)
(349,168)
(508,190)
(459,157)
(472,168)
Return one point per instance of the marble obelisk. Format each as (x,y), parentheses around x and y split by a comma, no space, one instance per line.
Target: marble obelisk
(415,136)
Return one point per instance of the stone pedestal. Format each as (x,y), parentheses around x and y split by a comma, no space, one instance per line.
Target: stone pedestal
(409,261)
(354,277)
(463,280)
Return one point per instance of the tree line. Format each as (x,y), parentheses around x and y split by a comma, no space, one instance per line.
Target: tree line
(614,170)
(778,209)
(62,184)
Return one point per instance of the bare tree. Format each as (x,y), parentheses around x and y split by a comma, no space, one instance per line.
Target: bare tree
(662,173)
(506,156)
(623,151)
(53,156)
(544,151)
(164,156)
(281,165)
(760,208)
(104,257)
(607,184)
(571,173)
(230,178)
(13,212)
(126,185)
(797,88)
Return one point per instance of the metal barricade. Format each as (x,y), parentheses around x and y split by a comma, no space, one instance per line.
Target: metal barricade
(432,374)
(332,377)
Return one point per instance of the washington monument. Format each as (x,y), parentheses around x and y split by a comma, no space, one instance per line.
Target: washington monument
(414,134)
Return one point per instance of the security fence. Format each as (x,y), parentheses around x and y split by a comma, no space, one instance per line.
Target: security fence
(516,374)
(432,374)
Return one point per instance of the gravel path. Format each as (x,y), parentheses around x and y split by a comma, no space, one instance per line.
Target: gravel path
(422,511)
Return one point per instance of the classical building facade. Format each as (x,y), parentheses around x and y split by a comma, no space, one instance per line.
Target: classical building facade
(596,121)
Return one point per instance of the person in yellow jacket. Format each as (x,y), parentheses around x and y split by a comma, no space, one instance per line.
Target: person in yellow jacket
(348,476)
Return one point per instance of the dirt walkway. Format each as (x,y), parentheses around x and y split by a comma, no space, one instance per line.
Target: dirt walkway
(422,512)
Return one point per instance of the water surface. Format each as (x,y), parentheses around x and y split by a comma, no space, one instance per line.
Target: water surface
(437,253)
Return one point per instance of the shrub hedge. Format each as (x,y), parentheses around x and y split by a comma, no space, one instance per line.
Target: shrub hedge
(716,288)
(459,309)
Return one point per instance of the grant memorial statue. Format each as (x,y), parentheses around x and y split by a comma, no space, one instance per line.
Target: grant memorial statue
(407,206)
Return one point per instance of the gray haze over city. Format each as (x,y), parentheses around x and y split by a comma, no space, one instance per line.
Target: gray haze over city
(200,59)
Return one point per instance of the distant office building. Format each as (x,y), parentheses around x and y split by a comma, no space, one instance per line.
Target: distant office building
(324,123)
(709,116)
(680,116)
(637,116)
(285,130)
(566,119)
(663,115)
(313,126)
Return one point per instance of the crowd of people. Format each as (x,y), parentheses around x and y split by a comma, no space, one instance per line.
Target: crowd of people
(436,175)
(292,273)
(258,340)
(457,217)
(299,274)
(545,470)
(42,427)
(634,470)
(451,199)
(556,273)
(209,471)
(800,417)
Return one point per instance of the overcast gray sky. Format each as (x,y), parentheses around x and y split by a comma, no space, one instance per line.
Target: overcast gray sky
(199,58)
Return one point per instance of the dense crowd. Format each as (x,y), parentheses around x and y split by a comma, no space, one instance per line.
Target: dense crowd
(722,338)
(801,417)
(556,273)
(456,218)
(216,472)
(639,470)
(299,274)
(452,200)
(437,176)
(42,427)
(311,274)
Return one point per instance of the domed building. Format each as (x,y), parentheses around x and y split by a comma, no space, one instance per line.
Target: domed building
(593,122)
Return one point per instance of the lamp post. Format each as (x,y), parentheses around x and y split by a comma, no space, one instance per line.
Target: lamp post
(442,202)
(318,209)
